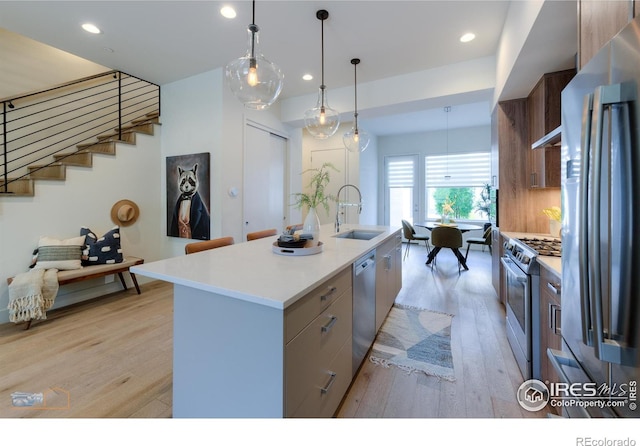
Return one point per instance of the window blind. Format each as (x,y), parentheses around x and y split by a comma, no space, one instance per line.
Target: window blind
(400,172)
(464,169)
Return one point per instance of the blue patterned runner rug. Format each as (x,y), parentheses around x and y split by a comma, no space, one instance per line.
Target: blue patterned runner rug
(415,340)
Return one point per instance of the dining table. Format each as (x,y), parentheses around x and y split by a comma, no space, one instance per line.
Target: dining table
(462,227)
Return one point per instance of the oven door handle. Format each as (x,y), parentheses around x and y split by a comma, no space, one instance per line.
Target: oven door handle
(509,265)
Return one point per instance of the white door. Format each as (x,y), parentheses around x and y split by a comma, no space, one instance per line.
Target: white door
(264,181)
(401,193)
(338,158)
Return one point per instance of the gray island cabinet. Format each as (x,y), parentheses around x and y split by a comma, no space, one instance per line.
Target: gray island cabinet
(258,334)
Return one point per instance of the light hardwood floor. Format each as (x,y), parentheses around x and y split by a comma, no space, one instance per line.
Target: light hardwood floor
(114,355)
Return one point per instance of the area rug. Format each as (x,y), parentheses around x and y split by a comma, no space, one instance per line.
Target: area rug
(415,340)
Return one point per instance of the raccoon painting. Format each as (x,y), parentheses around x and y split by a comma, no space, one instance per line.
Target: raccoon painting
(190,215)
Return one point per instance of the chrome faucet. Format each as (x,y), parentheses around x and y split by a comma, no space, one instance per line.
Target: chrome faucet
(339,205)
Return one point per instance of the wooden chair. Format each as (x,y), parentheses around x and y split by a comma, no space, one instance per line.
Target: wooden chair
(261,234)
(410,234)
(484,240)
(190,248)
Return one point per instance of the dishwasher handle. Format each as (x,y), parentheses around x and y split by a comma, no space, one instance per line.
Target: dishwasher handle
(364,265)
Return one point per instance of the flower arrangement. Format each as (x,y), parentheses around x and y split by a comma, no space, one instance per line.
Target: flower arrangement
(554,213)
(318,196)
(447,207)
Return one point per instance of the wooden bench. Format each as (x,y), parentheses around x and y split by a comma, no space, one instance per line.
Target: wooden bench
(95,271)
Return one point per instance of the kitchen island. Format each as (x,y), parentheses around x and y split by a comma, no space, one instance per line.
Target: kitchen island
(245,320)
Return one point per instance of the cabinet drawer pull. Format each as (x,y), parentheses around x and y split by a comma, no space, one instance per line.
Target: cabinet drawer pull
(554,287)
(326,327)
(332,378)
(553,319)
(332,290)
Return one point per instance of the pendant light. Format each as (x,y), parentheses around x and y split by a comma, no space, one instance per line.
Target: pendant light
(447,109)
(356,140)
(254,80)
(322,121)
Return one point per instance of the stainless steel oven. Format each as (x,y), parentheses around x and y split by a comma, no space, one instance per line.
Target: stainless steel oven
(522,298)
(519,317)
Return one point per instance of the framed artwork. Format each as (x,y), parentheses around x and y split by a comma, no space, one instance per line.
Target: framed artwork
(188,196)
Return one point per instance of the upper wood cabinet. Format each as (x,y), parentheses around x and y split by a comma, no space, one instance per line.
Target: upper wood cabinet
(544,125)
(598,22)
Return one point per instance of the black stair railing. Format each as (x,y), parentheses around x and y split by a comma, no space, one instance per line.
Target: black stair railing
(38,125)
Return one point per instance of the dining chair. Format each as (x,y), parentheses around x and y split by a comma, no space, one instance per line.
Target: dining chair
(410,234)
(261,234)
(190,248)
(447,237)
(484,240)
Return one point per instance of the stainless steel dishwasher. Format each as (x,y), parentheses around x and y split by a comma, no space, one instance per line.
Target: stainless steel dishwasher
(364,306)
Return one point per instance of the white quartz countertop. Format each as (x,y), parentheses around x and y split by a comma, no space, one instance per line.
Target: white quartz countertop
(251,271)
(552,263)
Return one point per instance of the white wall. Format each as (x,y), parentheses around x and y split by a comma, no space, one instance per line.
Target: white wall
(85,198)
(200,114)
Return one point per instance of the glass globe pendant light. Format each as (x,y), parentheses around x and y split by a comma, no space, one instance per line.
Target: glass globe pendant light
(254,80)
(322,121)
(356,139)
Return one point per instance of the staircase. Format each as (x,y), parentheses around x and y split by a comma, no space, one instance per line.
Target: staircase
(35,149)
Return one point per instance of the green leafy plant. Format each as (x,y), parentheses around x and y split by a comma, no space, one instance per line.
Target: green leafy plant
(483,205)
(460,200)
(317,195)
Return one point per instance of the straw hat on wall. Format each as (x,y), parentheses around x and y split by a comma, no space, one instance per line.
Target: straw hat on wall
(125,213)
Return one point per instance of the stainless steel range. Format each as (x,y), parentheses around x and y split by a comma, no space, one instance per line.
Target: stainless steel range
(522,285)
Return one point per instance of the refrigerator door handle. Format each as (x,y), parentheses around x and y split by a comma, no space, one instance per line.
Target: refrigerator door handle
(607,348)
(583,216)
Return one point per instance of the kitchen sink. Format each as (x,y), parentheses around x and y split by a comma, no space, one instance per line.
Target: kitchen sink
(359,234)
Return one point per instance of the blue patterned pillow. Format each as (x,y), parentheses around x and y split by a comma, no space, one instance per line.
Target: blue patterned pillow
(103,250)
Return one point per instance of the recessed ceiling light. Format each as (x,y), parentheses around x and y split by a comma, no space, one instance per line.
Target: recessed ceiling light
(468,37)
(307,77)
(91,28)
(228,12)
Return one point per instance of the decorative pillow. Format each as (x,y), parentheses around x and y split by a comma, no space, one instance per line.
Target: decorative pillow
(103,250)
(59,254)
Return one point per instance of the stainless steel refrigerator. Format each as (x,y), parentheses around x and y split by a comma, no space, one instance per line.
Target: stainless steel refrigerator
(600,314)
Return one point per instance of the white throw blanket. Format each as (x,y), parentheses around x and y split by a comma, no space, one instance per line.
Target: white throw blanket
(31,294)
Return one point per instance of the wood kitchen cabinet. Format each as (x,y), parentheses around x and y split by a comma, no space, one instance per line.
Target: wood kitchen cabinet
(544,129)
(513,149)
(550,307)
(598,22)
(318,351)
(388,276)
(497,250)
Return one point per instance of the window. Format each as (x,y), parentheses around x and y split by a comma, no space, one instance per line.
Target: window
(400,197)
(462,179)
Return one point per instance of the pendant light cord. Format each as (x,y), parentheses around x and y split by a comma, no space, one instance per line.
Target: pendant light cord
(322,50)
(254,29)
(355,63)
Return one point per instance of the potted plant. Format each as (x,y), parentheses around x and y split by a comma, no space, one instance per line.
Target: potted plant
(483,205)
(316,197)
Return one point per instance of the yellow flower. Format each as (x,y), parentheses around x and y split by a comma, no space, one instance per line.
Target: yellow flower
(554,213)
(447,207)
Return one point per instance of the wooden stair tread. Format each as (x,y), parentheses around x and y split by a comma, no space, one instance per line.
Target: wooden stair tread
(83,157)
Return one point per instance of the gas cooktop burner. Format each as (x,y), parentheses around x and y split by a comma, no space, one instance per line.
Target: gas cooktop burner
(544,246)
